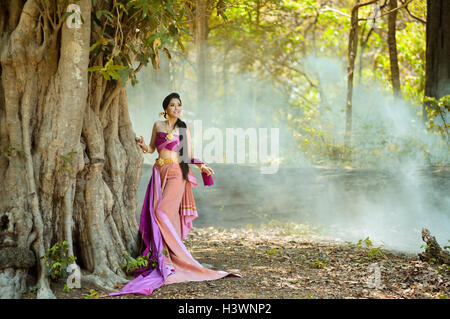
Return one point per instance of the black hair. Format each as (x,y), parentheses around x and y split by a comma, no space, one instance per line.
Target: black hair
(184,166)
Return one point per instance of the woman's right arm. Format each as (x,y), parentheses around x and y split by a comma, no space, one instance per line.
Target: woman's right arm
(152,146)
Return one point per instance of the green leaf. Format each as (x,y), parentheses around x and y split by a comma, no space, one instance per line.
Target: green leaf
(117,67)
(66,159)
(169,9)
(180,15)
(99,43)
(124,74)
(114,74)
(185,31)
(95,68)
(119,4)
(106,76)
(180,44)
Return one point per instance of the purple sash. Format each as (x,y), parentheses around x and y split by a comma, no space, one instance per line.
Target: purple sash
(148,279)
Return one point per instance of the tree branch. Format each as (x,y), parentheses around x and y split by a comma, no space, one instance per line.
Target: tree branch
(389,12)
(412,15)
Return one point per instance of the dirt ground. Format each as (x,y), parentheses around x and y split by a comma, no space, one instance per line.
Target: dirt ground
(292,261)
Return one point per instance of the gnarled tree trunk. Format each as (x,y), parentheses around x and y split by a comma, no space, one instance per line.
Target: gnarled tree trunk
(49,107)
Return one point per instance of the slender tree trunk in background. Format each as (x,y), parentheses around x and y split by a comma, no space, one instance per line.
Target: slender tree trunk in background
(392,44)
(49,108)
(362,47)
(365,38)
(352,51)
(258,12)
(437,71)
(201,47)
(351,57)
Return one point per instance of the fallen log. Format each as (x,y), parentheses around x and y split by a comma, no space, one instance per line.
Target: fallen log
(433,251)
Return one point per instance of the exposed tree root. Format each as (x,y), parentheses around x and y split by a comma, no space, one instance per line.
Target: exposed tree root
(103,278)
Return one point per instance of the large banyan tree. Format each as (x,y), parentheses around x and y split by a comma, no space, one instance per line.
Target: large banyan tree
(69,163)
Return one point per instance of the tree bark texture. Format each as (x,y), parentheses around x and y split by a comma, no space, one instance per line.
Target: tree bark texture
(392,44)
(352,51)
(437,70)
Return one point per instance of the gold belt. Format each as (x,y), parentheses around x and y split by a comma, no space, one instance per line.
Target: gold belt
(162,161)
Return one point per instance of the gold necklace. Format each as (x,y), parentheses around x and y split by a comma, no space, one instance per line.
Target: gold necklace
(169,135)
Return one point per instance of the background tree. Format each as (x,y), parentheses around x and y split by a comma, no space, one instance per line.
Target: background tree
(437,79)
(392,44)
(202,10)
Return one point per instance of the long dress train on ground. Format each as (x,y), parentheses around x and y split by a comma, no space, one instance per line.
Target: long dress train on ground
(166,219)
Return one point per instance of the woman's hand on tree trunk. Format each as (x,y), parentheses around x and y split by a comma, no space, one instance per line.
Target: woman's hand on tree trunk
(140,141)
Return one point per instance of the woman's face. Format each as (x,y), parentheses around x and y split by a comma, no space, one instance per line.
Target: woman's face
(174,108)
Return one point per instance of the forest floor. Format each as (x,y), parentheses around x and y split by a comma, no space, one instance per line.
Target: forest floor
(292,261)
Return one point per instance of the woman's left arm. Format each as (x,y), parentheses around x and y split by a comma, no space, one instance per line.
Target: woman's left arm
(203,167)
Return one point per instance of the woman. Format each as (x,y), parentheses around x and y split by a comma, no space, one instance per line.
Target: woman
(169,207)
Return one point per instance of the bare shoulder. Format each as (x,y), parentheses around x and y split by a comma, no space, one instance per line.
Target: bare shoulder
(158,125)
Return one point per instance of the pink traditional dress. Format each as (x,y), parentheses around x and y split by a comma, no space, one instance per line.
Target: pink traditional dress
(166,219)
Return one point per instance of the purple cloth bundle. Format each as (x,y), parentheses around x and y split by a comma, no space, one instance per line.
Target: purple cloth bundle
(207,179)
